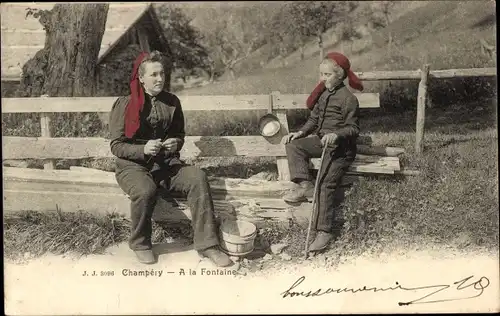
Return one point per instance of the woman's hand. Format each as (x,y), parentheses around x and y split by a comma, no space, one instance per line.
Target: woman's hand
(288,138)
(171,144)
(152,147)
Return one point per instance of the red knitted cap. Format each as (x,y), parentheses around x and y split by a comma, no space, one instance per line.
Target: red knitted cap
(136,102)
(345,64)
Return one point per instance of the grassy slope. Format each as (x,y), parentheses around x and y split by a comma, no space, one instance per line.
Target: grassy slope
(445,32)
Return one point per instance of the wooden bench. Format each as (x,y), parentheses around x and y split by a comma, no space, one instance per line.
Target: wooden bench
(48,148)
(98,191)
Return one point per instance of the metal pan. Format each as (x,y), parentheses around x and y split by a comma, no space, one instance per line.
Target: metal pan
(269,125)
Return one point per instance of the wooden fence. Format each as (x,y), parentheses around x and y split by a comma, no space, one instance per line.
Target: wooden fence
(46,147)
(424,75)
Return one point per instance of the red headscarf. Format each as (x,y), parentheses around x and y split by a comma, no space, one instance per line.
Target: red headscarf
(343,62)
(136,103)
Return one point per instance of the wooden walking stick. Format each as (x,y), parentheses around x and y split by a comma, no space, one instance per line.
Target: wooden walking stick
(313,211)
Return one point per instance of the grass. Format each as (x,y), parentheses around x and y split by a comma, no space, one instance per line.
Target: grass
(453,202)
(31,234)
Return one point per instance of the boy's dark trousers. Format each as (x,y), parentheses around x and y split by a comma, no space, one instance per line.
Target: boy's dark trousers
(335,164)
(137,181)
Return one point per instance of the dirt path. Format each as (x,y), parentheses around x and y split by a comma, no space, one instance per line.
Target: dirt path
(56,285)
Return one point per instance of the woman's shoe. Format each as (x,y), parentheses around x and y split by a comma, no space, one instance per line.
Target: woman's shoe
(219,258)
(321,241)
(145,256)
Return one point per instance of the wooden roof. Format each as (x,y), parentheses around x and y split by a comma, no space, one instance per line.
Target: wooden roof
(22,37)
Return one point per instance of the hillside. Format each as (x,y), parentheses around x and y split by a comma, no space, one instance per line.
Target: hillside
(444,33)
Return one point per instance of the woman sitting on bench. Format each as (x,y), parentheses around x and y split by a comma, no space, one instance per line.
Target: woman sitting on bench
(147,133)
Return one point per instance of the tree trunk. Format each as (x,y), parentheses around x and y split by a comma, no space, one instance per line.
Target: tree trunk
(67,64)
(389,45)
(282,56)
(212,74)
(168,64)
(320,47)
(302,48)
(211,69)
(302,52)
(283,61)
(231,72)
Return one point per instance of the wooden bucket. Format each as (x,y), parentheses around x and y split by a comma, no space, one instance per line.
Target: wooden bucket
(237,237)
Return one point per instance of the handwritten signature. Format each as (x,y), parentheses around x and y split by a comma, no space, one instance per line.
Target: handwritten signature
(479,286)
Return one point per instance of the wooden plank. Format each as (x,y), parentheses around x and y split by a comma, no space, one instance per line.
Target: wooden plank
(45,132)
(57,104)
(46,148)
(87,170)
(375,158)
(102,204)
(298,101)
(195,146)
(263,203)
(422,97)
(189,103)
(80,181)
(143,39)
(256,146)
(9,77)
(374,167)
(104,104)
(379,150)
(416,74)
(96,203)
(388,75)
(15,147)
(467,72)
(24,196)
(281,161)
(401,172)
(105,182)
(371,164)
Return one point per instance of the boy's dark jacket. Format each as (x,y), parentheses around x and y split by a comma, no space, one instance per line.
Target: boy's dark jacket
(335,112)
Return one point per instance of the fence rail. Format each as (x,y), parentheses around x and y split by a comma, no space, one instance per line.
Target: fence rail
(416,74)
(189,103)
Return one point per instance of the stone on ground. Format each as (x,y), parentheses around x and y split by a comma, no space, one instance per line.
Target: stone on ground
(278,248)
(285,257)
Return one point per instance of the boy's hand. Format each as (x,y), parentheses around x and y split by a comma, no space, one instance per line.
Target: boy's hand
(288,138)
(171,144)
(329,139)
(152,147)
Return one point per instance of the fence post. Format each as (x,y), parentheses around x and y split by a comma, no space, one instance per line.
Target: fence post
(45,132)
(281,162)
(422,97)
